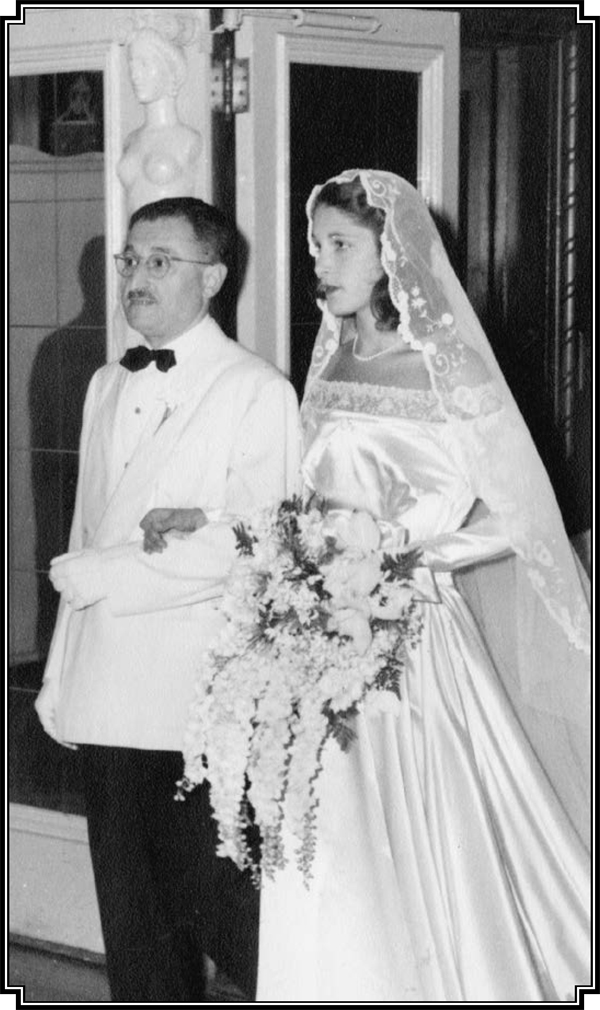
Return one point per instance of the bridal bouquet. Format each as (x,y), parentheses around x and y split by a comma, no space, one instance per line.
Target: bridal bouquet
(317,616)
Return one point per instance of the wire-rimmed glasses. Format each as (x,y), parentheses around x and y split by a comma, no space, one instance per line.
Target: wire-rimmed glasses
(157,264)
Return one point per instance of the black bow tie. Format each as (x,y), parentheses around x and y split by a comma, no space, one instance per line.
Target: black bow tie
(139,357)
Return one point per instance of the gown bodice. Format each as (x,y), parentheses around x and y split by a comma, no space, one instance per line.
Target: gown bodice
(387,451)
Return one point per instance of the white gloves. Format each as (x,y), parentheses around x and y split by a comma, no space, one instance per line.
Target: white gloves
(80,577)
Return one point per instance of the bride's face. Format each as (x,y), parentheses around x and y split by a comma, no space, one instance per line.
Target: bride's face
(347,262)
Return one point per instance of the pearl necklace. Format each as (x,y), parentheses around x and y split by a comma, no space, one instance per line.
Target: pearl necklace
(371,357)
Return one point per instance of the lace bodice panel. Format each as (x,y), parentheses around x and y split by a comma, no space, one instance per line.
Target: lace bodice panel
(387,451)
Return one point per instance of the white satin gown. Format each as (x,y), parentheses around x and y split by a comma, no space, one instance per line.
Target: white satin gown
(446,869)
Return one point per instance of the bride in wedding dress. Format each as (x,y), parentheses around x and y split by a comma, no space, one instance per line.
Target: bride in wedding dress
(452,843)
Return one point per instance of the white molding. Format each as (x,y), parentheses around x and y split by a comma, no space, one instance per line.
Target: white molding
(114,209)
(304,17)
(282,281)
(49,823)
(51,894)
(430,170)
(58,59)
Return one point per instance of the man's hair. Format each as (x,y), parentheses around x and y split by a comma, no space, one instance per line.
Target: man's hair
(210,226)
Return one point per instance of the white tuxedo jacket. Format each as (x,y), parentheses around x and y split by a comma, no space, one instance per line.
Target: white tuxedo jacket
(230,444)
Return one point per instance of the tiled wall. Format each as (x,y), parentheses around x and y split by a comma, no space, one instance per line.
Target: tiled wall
(57,339)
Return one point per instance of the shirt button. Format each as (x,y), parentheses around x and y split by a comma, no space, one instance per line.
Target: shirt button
(138,410)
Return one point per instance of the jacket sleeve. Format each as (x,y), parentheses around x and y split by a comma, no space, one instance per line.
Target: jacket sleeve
(54,661)
(89,413)
(264,467)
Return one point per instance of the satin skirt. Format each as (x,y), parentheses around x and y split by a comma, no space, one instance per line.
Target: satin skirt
(446,869)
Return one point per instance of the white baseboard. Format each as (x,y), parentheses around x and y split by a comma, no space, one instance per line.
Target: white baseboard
(51,885)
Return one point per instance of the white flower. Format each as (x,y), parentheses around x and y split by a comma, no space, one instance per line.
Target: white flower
(311,529)
(351,578)
(397,599)
(355,624)
(301,648)
(353,529)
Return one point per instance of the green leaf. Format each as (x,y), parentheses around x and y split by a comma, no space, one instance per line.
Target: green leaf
(244,540)
(400,566)
(342,729)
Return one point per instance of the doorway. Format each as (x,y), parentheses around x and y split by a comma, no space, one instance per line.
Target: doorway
(340,117)
(329,91)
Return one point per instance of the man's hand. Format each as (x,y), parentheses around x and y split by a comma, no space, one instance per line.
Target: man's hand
(157,522)
(79,578)
(45,706)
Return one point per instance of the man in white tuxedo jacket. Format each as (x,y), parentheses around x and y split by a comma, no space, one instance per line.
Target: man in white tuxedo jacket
(188,419)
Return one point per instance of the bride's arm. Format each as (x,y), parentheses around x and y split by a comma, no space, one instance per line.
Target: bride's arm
(482,538)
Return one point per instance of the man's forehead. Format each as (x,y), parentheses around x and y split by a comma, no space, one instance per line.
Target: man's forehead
(163,232)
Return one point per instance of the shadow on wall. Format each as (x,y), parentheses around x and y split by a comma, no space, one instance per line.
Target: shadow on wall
(224,305)
(59,379)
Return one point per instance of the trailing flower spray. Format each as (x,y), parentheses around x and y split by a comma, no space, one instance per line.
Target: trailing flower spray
(317,618)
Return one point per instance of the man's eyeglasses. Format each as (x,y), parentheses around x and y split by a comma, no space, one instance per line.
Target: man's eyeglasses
(157,264)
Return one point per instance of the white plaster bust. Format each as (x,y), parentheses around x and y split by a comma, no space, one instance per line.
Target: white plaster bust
(162,157)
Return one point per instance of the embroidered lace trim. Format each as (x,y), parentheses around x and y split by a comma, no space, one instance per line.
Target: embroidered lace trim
(394,401)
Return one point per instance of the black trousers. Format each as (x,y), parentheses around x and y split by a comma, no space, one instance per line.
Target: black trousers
(165,898)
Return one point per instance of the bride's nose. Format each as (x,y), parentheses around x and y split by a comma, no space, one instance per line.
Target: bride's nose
(321,265)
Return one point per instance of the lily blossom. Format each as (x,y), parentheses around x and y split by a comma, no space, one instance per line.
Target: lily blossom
(353,529)
(355,625)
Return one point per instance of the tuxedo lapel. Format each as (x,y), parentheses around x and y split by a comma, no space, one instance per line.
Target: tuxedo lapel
(166,426)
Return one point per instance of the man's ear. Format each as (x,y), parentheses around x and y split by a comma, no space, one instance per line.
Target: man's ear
(214,278)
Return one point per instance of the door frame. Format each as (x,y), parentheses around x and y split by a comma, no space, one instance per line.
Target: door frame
(422,42)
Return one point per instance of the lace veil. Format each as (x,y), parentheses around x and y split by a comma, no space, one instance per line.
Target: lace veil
(531,608)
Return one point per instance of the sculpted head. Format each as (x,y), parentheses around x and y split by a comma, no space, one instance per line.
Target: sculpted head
(158,67)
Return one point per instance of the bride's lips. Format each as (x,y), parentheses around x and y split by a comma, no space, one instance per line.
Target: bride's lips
(325,291)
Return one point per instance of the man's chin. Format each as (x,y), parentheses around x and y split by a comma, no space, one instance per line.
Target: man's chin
(140,316)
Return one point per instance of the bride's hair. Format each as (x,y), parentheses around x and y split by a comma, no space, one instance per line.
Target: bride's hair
(351,199)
